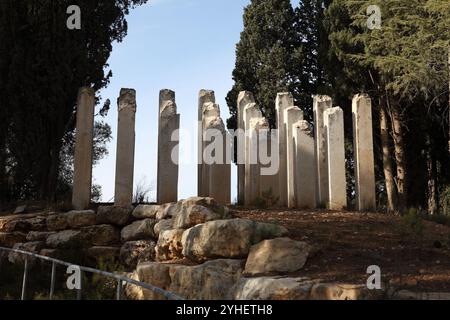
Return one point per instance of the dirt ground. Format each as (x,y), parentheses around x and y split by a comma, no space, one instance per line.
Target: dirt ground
(346,243)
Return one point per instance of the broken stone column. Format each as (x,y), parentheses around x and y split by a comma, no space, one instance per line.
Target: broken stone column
(125,148)
(337,184)
(244,98)
(205,96)
(82,176)
(320,104)
(168,130)
(291,116)
(283,101)
(304,169)
(216,155)
(253,119)
(363,152)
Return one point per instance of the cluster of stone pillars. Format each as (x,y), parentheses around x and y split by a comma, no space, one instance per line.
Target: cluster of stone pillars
(310,164)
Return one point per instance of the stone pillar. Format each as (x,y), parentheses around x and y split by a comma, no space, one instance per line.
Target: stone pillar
(168,128)
(244,98)
(82,177)
(268,179)
(363,151)
(304,169)
(337,184)
(320,104)
(252,118)
(291,116)
(125,148)
(205,96)
(283,101)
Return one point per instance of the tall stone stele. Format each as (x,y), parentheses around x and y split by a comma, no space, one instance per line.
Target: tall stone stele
(204,97)
(283,101)
(337,184)
(291,116)
(363,151)
(82,179)
(304,169)
(168,152)
(320,104)
(125,148)
(244,98)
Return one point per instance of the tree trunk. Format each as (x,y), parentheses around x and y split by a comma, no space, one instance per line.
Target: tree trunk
(400,157)
(432,183)
(387,163)
(449,99)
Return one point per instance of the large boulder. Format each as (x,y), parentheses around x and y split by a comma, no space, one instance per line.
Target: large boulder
(119,216)
(139,230)
(37,223)
(163,225)
(192,215)
(146,211)
(67,239)
(227,238)
(101,235)
(277,256)
(38,235)
(169,245)
(80,218)
(134,252)
(212,280)
(343,291)
(57,222)
(266,288)
(167,211)
(33,247)
(9,239)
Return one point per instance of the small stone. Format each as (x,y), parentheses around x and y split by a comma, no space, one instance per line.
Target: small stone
(20,209)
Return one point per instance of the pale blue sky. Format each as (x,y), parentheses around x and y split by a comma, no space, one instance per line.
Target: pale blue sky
(183,45)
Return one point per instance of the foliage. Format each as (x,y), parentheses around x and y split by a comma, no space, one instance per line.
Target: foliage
(266,200)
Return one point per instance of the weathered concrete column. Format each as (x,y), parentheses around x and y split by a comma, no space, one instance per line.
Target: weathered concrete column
(291,116)
(320,104)
(168,128)
(337,184)
(252,117)
(205,96)
(269,161)
(363,151)
(244,98)
(283,101)
(82,176)
(125,148)
(305,173)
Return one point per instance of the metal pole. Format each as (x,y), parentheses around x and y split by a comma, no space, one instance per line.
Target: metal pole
(81,287)
(119,289)
(24,281)
(52,281)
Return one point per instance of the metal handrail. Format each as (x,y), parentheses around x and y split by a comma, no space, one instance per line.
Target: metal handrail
(120,279)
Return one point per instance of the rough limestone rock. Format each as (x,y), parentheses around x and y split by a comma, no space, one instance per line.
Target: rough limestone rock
(38,235)
(192,215)
(134,252)
(77,219)
(167,211)
(212,280)
(281,255)
(34,247)
(139,230)
(169,245)
(227,238)
(101,235)
(116,215)
(163,225)
(337,291)
(66,239)
(102,254)
(36,224)
(133,292)
(9,239)
(146,211)
(267,288)
(57,222)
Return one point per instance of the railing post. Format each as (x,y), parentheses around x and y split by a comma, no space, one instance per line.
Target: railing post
(52,281)
(24,281)
(119,289)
